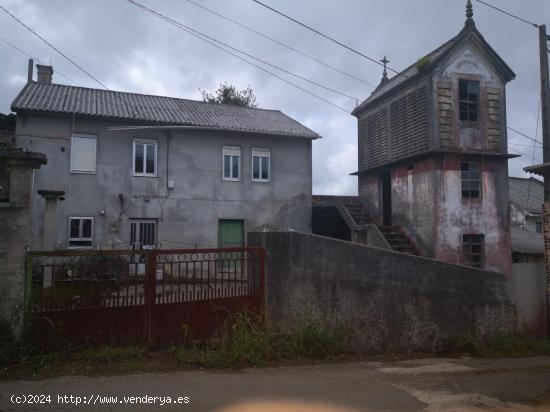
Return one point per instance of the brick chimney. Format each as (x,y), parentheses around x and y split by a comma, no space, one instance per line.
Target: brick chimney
(44,73)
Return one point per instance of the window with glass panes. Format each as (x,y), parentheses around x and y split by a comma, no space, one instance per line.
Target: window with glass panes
(145,158)
(143,234)
(468,95)
(231,163)
(470,173)
(81,231)
(472,246)
(261,159)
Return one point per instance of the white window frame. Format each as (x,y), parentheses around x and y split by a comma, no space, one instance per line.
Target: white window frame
(231,151)
(83,136)
(137,222)
(80,238)
(144,142)
(262,153)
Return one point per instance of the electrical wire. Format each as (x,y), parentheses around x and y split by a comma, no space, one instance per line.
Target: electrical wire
(508,13)
(534,147)
(38,60)
(115,96)
(351,76)
(524,135)
(327,37)
(205,39)
(53,47)
(355,99)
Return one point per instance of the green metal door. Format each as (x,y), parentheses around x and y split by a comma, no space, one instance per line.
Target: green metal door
(230,233)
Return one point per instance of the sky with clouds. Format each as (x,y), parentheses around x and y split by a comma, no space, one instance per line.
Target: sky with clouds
(130,50)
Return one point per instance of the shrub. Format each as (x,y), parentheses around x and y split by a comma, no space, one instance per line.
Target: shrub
(246,342)
(466,344)
(423,63)
(107,354)
(9,350)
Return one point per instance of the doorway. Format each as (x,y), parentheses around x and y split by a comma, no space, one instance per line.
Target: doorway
(230,233)
(385,189)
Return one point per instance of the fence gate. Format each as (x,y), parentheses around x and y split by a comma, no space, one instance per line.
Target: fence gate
(130,296)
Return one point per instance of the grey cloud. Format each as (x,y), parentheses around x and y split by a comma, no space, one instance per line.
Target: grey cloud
(128,49)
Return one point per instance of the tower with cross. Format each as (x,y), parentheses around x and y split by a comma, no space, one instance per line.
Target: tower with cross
(433,160)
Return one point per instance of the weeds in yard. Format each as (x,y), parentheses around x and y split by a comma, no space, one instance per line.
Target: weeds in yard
(246,342)
(8,343)
(108,354)
(500,346)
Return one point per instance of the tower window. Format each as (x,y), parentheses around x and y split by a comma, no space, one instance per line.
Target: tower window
(468,95)
(472,246)
(470,175)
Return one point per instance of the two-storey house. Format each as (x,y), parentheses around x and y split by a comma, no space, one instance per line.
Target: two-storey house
(150,171)
(433,154)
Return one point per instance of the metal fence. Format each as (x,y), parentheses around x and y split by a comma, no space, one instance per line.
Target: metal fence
(145,295)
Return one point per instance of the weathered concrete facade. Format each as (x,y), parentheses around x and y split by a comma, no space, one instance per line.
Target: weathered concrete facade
(16,176)
(187,214)
(411,133)
(392,301)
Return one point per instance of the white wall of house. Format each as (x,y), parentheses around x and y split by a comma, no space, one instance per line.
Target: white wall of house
(187,194)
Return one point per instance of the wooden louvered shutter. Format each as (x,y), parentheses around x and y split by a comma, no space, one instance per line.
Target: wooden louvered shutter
(377,150)
(409,124)
(445,112)
(494,128)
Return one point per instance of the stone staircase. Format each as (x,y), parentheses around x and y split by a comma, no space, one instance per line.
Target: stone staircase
(358,213)
(398,240)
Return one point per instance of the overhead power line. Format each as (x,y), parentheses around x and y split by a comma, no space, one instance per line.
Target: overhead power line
(524,135)
(330,89)
(208,40)
(508,13)
(326,36)
(351,76)
(69,59)
(53,47)
(37,59)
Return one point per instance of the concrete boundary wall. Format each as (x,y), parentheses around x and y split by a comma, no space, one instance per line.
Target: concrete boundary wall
(392,301)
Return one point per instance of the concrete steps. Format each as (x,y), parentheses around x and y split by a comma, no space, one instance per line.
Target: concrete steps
(358,213)
(398,240)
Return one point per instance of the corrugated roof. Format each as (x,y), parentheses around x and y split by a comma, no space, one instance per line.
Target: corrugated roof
(527,194)
(59,98)
(411,73)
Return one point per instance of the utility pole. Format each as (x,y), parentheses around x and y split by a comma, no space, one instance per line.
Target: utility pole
(545,105)
(545,110)
(544,169)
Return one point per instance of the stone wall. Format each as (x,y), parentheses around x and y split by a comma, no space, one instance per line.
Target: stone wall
(528,291)
(15,231)
(392,301)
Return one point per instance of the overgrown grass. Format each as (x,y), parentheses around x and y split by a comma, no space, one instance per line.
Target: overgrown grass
(500,346)
(243,342)
(247,343)
(109,354)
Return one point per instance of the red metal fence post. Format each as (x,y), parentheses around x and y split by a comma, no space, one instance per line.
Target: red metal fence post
(261,253)
(150,293)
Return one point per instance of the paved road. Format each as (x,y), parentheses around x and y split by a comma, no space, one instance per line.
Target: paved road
(415,385)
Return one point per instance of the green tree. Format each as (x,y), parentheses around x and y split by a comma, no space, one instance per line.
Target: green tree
(227,94)
(7,121)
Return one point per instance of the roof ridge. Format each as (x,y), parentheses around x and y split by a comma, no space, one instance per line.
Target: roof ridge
(62,98)
(157,95)
(533,179)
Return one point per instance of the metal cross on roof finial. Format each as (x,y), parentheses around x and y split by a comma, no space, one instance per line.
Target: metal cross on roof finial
(385,61)
(469,10)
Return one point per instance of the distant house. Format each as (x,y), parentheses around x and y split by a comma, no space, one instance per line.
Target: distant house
(526,199)
(151,171)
